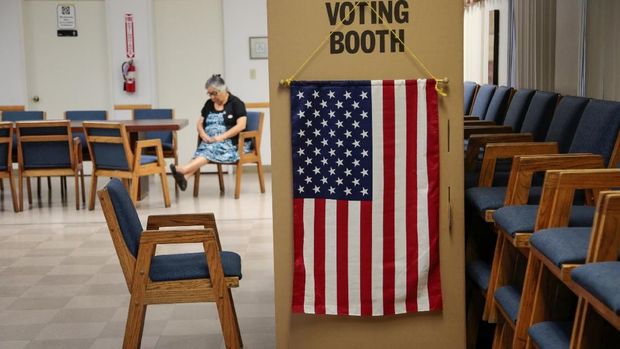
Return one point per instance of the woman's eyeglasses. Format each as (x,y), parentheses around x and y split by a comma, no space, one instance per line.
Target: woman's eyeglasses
(213,93)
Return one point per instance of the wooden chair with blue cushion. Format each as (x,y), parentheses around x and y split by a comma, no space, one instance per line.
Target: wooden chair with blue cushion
(556,248)
(85,115)
(253,133)
(168,138)
(112,156)
(6,159)
(496,110)
(176,278)
(47,148)
(481,102)
(555,252)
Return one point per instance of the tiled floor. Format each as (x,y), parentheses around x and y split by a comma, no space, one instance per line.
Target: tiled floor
(61,285)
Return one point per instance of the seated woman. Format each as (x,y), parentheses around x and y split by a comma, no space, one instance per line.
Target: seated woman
(223,117)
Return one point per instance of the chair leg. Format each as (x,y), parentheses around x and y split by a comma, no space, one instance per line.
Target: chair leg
(164,187)
(63,188)
(531,300)
(228,321)
(29,192)
(13,193)
(21,192)
(77,192)
(82,184)
(93,189)
(135,186)
(261,180)
(220,177)
(236,323)
(489,304)
(238,181)
(135,324)
(196,183)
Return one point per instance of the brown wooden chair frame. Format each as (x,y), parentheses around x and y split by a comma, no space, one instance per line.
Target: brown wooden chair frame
(253,157)
(76,170)
(9,170)
(135,168)
(144,291)
(170,154)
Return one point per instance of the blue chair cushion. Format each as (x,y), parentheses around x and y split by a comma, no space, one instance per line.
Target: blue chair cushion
(518,107)
(539,114)
(186,266)
(148,159)
(126,214)
(522,218)
(497,107)
(509,298)
(602,280)
(469,88)
(563,245)
(479,272)
(492,198)
(551,334)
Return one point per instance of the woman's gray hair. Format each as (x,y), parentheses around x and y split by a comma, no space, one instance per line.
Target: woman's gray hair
(216,82)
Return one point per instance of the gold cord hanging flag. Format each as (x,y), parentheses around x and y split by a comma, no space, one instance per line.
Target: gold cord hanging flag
(440,86)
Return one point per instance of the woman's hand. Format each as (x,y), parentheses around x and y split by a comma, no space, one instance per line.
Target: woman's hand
(205,138)
(219,138)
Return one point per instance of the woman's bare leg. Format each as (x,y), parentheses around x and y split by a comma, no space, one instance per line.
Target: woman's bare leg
(191,167)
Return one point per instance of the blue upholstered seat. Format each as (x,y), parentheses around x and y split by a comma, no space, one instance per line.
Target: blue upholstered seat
(483,98)
(492,198)
(166,137)
(469,90)
(509,298)
(163,267)
(479,272)
(522,218)
(563,245)
(187,266)
(45,154)
(602,280)
(496,110)
(551,334)
(565,119)
(597,129)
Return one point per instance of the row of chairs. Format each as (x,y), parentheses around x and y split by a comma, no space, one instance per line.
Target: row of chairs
(48,148)
(578,133)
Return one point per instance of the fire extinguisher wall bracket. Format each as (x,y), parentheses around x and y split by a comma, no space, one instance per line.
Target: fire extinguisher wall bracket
(129,76)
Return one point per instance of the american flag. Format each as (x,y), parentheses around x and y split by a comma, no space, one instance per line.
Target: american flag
(366,197)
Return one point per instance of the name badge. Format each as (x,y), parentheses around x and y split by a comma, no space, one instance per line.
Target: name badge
(230,116)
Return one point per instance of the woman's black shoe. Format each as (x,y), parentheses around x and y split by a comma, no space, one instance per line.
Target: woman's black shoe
(179,178)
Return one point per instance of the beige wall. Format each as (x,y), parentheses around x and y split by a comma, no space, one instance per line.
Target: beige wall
(435,34)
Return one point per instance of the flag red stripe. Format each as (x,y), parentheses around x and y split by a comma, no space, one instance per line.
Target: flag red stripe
(366,257)
(319,256)
(434,279)
(388,196)
(342,255)
(412,196)
(299,276)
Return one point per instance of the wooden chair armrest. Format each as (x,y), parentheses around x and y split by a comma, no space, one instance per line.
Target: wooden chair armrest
(470,118)
(147,143)
(525,166)
(471,130)
(605,240)
(494,151)
(246,135)
(479,123)
(156,237)
(557,208)
(477,141)
(206,220)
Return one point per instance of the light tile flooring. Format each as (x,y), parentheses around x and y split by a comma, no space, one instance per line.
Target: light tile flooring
(61,285)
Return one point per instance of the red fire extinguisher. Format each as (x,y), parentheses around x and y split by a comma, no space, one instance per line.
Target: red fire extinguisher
(129,76)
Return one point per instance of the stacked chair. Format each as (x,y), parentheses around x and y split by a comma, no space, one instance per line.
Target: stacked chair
(586,135)
(6,159)
(470,88)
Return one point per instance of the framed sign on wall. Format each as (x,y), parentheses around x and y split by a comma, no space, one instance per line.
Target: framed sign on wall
(258,47)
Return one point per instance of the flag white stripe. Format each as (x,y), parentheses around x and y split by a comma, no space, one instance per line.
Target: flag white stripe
(331,279)
(377,197)
(400,197)
(354,258)
(422,171)
(309,255)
